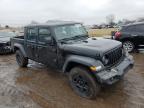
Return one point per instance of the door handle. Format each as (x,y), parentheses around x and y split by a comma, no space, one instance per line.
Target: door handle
(39,48)
(134,35)
(54,50)
(30,46)
(33,47)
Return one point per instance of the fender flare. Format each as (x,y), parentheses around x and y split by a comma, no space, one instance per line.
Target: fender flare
(86,61)
(21,48)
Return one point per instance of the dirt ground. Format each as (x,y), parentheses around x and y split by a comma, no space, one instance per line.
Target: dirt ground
(41,87)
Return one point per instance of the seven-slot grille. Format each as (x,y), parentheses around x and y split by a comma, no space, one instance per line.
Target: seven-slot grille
(114,56)
(2,45)
(5,48)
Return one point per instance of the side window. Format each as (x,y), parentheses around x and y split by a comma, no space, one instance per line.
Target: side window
(32,34)
(44,35)
(140,28)
(123,29)
(131,28)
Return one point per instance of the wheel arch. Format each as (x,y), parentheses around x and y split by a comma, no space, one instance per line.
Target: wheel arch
(129,39)
(20,47)
(86,62)
(73,64)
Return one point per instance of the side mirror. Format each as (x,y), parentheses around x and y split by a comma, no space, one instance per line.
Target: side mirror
(53,42)
(48,33)
(50,41)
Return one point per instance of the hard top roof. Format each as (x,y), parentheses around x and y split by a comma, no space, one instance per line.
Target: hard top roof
(136,23)
(53,23)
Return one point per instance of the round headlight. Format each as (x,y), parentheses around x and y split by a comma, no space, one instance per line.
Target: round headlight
(105,60)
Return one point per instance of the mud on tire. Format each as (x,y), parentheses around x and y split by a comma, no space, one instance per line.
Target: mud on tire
(83,83)
(21,60)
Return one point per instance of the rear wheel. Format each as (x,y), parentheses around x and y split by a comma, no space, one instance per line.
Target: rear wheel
(21,60)
(83,83)
(129,46)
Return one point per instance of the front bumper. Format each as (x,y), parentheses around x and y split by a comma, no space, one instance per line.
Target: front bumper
(113,75)
(5,49)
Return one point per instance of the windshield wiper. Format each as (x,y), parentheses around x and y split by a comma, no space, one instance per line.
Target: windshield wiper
(64,41)
(80,36)
(72,38)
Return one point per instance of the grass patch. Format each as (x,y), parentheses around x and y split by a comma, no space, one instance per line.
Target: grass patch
(101,32)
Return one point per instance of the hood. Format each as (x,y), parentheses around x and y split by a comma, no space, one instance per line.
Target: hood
(91,47)
(4,39)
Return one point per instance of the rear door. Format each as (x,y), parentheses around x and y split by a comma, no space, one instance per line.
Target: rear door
(31,43)
(47,51)
(140,34)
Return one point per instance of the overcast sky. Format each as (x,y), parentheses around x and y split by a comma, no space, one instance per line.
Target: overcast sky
(21,12)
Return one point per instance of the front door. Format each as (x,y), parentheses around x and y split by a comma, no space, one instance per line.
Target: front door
(47,53)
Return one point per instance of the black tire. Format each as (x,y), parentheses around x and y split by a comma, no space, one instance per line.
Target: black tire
(129,46)
(83,83)
(21,60)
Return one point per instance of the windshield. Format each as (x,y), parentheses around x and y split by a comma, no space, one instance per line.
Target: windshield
(7,34)
(70,31)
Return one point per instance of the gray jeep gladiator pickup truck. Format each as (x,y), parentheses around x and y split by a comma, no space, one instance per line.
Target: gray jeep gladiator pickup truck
(66,46)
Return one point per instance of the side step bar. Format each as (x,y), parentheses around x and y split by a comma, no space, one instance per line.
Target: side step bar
(141,49)
(141,45)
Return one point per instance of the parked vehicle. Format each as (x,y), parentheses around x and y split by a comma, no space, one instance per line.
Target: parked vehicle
(132,36)
(65,46)
(5,46)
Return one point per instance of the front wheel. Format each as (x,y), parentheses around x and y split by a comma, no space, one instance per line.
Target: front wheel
(21,60)
(129,46)
(83,83)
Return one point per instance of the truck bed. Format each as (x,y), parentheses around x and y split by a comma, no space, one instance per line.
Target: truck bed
(17,40)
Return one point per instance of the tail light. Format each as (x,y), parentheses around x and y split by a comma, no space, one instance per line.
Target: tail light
(117,34)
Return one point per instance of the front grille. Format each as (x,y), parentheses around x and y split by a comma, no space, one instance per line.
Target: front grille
(2,45)
(4,48)
(114,56)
